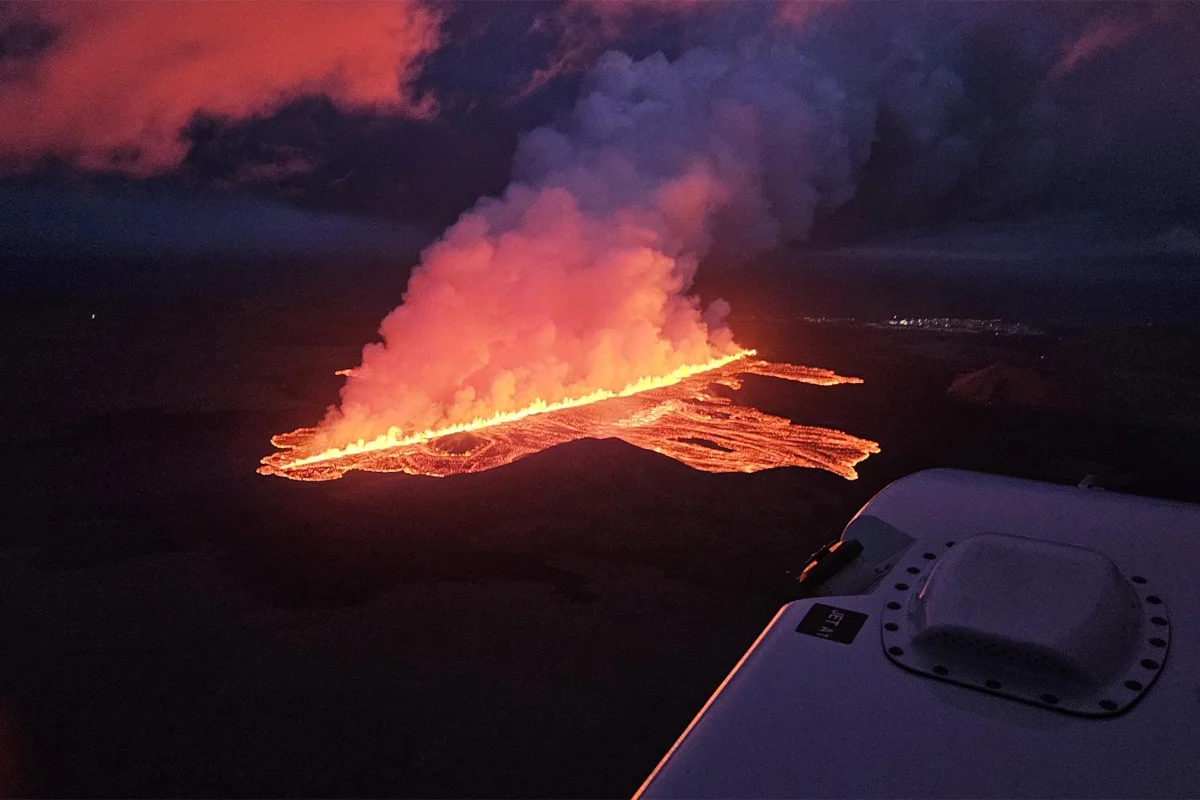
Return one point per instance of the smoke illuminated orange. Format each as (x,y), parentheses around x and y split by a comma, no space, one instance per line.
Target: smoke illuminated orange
(677,415)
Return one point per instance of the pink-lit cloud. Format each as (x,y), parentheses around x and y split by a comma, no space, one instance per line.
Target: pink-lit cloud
(121,79)
(1099,36)
(588,27)
(797,13)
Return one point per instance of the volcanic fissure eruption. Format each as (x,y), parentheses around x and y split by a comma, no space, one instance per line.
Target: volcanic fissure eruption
(561,309)
(677,415)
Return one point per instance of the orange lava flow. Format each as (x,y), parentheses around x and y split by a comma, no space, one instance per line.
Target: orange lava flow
(677,415)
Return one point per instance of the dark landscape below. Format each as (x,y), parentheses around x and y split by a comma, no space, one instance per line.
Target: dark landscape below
(174,624)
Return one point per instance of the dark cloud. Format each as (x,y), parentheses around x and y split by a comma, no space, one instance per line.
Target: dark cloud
(977,117)
(42,222)
(23,40)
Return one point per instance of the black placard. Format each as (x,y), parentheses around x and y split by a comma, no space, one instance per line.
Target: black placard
(834,624)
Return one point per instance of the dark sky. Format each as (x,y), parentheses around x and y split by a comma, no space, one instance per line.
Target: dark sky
(203,130)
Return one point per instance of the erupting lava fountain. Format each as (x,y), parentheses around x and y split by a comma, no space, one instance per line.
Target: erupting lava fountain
(676,415)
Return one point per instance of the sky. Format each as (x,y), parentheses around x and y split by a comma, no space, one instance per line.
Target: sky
(988,133)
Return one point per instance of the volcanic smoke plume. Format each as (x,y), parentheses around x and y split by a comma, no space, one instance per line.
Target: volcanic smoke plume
(577,278)
(574,284)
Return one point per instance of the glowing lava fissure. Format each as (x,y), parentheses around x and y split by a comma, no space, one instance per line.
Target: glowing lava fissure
(394,438)
(676,415)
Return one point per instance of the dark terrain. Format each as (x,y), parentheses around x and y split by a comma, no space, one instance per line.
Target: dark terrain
(175,624)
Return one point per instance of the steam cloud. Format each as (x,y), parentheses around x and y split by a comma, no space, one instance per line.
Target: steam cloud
(577,278)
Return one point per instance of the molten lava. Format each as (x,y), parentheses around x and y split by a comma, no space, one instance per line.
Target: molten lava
(677,415)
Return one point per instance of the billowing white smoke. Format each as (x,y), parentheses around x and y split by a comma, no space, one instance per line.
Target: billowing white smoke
(577,278)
